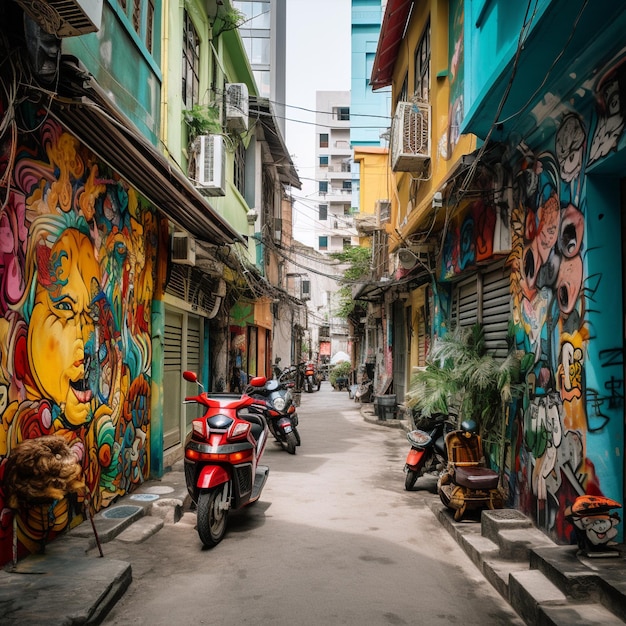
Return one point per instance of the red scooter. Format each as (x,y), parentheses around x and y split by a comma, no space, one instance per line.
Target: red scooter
(222,454)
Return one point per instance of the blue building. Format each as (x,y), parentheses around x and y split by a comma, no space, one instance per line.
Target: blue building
(545,93)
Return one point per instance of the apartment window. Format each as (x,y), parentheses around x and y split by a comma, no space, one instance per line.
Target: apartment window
(137,16)
(323,140)
(323,212)
(347,185)
(323,243)
(240,168)
(323,186)
(191,63)
(323,161)
(404,92)
(347,243)
(342,113)
(422,66)
(150,26)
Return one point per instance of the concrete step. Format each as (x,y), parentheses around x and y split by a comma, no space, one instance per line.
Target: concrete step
(582,578)
(540,602)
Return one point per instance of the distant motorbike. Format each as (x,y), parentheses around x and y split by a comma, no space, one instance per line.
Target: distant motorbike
(312,379)
(276,400)
(428,449)
(222,454)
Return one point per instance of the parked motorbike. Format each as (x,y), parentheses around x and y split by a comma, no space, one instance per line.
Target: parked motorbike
(467,484)
(312,380)
(276,400)
(428,449)
(222,454)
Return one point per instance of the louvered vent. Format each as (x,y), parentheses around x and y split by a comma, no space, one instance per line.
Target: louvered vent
(65,18)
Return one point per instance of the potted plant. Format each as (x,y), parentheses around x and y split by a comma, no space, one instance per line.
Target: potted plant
(338,375)
(202,120)
(462,378)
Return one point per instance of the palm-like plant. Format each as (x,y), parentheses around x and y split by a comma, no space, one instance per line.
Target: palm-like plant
(462,377)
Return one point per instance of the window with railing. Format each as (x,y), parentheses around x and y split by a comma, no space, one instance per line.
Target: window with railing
(323,186)
(191,63)
(323,212)
(239,173)
(421,82)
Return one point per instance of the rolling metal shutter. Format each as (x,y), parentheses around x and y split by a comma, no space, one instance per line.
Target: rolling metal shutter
(485,297)
(496,309)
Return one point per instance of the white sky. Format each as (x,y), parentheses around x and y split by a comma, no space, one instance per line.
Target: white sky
(318,59)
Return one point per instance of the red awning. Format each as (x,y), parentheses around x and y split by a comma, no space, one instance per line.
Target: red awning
(397,14)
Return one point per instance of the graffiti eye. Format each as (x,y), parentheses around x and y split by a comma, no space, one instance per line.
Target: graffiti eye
(63,306)
(529,264)
(568,238)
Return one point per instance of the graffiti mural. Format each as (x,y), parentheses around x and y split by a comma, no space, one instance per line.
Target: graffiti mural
(78,248)
(568,416)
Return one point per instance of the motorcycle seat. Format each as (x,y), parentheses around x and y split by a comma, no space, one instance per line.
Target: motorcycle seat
(475,477)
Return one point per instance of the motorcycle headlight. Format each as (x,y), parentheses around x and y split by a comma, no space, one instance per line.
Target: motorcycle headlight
(279,403)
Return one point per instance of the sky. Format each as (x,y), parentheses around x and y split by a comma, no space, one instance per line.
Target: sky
(318,59)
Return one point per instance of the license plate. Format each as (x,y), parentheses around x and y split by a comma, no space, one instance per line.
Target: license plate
(288,429)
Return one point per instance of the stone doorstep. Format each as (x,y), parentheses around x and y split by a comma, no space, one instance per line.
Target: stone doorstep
(584,579)
(516,543)
(141,530)
(528,590)
(493,522)
(577,615)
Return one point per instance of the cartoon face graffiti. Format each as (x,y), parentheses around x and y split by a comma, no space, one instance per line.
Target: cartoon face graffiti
(570,147)
(62,332)
(598,529)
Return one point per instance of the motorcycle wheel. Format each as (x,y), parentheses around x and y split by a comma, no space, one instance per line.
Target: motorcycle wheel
(410,479)
(309,386)
(297,434)
(291,442)
(211,516)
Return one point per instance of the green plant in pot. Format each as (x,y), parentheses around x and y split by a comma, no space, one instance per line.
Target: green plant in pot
(461,377)
(341,370)
(202,120)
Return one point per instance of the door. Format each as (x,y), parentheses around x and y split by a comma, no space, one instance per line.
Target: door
(172,379)
(399,350)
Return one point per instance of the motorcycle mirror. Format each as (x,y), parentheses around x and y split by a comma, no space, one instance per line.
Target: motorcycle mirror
(258,381)
(190,377)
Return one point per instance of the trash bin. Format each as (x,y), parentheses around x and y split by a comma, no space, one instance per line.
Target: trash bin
(386,407)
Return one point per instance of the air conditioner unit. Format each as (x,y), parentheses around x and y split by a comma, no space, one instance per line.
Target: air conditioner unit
(410,137)
(65,18)
(408,258)
(383,212)
(210,165)
(183,249)
(237,106)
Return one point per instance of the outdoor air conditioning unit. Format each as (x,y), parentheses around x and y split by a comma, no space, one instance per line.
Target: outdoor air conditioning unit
(409,257)
(410,137)
(210,165)
(383,212)
(237,106)
(65,18)
(183,249)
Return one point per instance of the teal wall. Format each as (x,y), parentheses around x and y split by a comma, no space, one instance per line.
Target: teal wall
(118,58)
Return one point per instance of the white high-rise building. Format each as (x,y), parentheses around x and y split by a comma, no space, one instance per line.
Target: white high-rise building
(334,223)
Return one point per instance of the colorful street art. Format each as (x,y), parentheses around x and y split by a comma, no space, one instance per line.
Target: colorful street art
(566,434)
(77,252)
(566,423)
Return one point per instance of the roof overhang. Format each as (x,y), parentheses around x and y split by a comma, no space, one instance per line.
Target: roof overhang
(84,109)
(374,291)
(262,108)
(397,14)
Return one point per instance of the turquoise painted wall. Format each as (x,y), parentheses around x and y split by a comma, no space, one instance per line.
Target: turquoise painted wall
(123,66)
